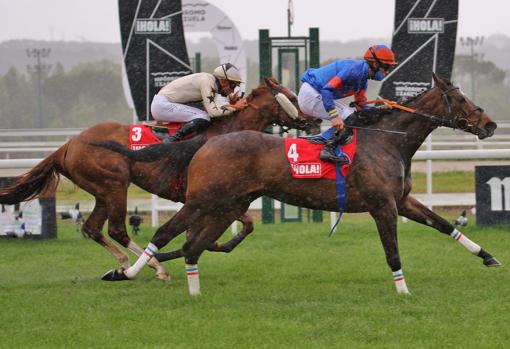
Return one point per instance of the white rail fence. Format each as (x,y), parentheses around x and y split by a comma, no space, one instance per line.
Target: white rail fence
(420,155)
(11,146)
(482,150)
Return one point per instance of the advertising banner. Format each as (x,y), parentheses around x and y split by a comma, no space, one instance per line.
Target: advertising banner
(424,38)
(492,195)
(201,16)
(153,48)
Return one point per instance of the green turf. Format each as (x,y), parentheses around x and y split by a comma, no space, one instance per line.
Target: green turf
(445,182)
(287,286)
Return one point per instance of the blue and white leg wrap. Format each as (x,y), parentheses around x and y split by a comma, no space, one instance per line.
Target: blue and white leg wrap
(147,254)
(464,241)
(400,282)
(193,279)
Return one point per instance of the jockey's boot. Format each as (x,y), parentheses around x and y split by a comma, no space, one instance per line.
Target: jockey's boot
(194,125)
(328,152)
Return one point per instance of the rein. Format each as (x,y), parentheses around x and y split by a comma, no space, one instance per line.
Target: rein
(460,122)
(284,129)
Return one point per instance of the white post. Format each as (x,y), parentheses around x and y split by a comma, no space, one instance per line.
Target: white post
(429,174)
(154,210)
(233,227)
(332,217)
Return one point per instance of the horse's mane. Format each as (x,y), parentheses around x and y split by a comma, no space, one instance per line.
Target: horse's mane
(257,91)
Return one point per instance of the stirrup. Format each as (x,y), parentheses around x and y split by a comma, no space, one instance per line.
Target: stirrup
(342,159)
(172,138)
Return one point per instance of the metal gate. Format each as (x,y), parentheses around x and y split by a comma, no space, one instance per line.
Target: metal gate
(294,55)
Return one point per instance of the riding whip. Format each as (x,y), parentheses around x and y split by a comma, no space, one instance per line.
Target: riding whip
(378,130)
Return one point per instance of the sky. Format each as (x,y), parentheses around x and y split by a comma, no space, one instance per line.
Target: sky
(342,20)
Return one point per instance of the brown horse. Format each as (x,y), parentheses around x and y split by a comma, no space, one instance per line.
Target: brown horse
(379,181)
(107,175)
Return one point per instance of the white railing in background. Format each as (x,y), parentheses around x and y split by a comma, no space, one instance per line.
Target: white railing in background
(440,140)
(46,132)
(420,155)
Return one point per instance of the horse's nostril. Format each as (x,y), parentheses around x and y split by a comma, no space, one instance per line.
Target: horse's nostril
(491,126)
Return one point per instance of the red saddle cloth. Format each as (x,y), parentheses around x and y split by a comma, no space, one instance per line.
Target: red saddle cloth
(141,135)
(304,161)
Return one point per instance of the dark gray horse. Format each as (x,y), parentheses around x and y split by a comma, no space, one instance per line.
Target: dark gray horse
(231,171)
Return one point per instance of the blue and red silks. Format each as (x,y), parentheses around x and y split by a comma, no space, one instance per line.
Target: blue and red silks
(304,161)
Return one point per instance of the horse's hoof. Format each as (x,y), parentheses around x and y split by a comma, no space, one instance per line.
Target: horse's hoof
(114,275)
(163,276)
(491,262)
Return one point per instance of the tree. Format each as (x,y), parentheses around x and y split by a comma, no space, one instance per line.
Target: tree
(491,91)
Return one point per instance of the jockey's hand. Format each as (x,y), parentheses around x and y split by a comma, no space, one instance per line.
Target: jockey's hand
(233,97)
(384,107)
(240,104)
(337,123)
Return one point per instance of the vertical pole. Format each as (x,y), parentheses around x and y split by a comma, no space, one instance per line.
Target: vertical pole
(39,88)
(154,210)
(315,62)
(233,227)
(314,47)
(266,65)
(198,62)
(266,68)
(267,210)
(288,22)
(429,174)
(332,221)
(472,44)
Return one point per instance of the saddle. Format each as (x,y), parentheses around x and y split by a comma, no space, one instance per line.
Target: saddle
(164,131)
(142,135)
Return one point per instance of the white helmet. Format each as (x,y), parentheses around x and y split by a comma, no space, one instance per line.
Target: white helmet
(229,72)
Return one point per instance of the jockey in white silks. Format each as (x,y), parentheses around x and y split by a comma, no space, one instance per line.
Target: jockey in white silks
(169,104)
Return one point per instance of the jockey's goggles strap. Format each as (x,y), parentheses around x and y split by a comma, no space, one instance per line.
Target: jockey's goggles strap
(374,55)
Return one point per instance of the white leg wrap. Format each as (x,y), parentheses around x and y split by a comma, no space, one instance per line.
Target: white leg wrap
(464,241)
(147,254)
(400,282)
(193,279)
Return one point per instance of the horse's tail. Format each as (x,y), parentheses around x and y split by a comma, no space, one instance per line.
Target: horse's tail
(31,184)
(176,151)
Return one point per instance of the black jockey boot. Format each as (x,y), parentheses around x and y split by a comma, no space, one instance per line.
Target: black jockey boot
(194,125)
(328,152)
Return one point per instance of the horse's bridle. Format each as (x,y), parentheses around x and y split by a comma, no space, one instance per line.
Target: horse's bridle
(458,121)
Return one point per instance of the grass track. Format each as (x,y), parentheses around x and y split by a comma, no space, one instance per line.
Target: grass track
(287,286)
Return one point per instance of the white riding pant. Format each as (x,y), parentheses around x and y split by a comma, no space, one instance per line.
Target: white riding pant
(310,103)
(164,110)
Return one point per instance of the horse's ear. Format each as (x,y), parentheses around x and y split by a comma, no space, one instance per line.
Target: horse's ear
(434,76)
(271,82)
(437,80)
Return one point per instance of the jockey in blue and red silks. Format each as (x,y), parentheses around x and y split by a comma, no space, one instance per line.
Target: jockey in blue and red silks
(323,87)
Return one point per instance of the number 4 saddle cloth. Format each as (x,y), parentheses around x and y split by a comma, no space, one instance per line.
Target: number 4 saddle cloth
(142,135)
(304,162)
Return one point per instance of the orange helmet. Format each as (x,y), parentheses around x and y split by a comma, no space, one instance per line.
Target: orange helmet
(381,54)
